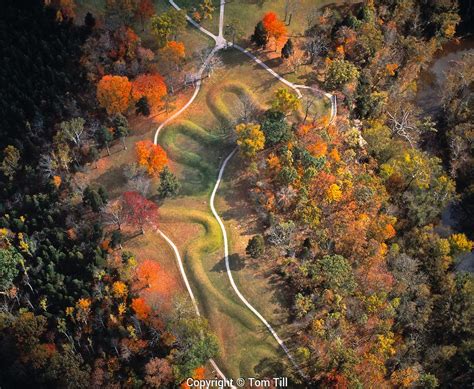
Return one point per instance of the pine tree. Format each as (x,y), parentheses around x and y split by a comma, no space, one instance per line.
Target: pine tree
(169,184)
(260,35)
(256,246)
(142,107)
(287,50)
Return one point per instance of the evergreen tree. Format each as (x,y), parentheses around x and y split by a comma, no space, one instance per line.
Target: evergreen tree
(104,137)
(287,50)
(142,107)
(256,246)
(260,35)
(169,184)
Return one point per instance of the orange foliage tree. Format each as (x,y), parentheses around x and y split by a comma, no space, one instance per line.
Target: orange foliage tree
(275,27)
(141,308)
(151,156)
(113,93)
(152,86)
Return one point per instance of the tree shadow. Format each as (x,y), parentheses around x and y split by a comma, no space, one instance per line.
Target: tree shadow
(113,180)
(236,263)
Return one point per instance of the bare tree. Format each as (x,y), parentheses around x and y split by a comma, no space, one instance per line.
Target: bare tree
(290,7)
(308,102)
(211,63)
(314,47)
(137,178)
(248,109)
(402,125)
(114,213)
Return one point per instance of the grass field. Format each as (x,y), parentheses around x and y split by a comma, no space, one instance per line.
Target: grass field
(196,144)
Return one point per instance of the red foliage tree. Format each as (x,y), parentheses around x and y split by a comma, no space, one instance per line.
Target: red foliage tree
(140,211)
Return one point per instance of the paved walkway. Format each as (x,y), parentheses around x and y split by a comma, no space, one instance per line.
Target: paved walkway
(220,43)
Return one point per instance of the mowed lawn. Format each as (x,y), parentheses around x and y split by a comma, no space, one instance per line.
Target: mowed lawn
(197,143)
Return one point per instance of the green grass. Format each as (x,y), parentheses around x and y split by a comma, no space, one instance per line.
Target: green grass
(197,144)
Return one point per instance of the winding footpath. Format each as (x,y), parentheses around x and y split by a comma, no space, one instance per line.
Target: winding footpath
(221,43)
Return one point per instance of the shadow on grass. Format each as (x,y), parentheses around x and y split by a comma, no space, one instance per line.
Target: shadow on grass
(236,263)
(112,180)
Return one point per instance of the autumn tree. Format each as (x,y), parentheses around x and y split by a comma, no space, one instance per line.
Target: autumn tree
(274,27)
(207,9)
(144,11)
(151,86)
(339,73)
(168,25)
(140,211)
(115,213)
(151,156)
(250,139)
(174,53)
(285,101)
(113,93)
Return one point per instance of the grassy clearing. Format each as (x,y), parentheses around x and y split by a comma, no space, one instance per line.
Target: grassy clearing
(196,145)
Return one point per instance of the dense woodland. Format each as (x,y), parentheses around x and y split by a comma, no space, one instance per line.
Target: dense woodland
(350,209)
(75,310)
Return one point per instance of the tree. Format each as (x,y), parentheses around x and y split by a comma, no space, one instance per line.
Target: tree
(287,50)
(274,27)
(140,211)
(339,73)
(104,137)
(73,130)
(119,12)
(151,156)
(275,127)
(169,184)
(93,199)
(142,107)
(234,29)
(168,24)
(89,21)
(285,101)
(113,93)
(250,139)
(207,8)
(121,128)
(144,11)
(10,260)
(256,246)
(10,163)
(152,86)
(158,372)
(174,53)
(260,35)
(115,213)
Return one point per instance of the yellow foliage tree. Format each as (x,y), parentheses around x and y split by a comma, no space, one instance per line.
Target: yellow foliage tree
(119,289)
(251,139)
(334,193)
